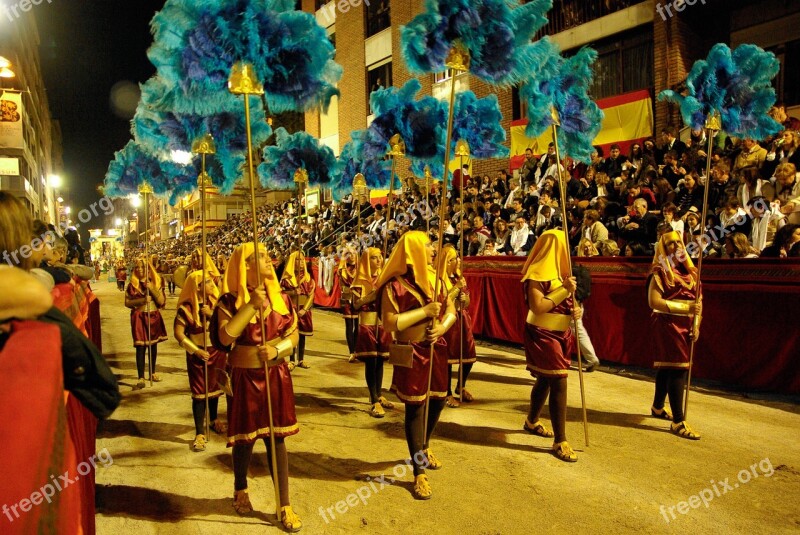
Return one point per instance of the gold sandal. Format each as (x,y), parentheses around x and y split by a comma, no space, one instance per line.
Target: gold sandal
(377,411)
(199,443)
(662,414)
(422,489)
(219,427)
(385,403)
(453,402)
(563,451)
(682,429)
(537,428)
(433,462)
(291,522)
(241,502)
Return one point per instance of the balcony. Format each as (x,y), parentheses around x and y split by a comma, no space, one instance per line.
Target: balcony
(568,14)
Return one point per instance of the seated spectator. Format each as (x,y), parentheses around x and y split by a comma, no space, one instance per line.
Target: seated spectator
(690,195)
(593,228)
(734,218)
(663,191)
(489,248)
(722,187)
(766,220)
(751,184)
(586,248)
(787,191)
(786,237)
(635,249)
(608,248)
(502,237)
(668,212)
(613,165)
(637,191)
(641,228)
(752,156)
(672,171)
(737,246)
(522,238)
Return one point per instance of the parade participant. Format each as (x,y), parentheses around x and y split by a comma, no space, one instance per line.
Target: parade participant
(548,337)
(121,273)
(189,332)
(406,288)
(461,333)
(672,287)
(197,264)
(372,343)
(237,328)
(147,325)
(300,287)
(348,269)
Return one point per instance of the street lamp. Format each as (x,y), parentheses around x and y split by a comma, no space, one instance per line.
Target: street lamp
(136,201)
(54,181)
(67,210)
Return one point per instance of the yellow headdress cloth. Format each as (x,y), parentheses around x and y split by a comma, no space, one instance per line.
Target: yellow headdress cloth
(549,258)
(661,259)
(365,274)
(192,292)
(289,270)
(445,256)
(211,268)
(155,278)
(235,280)
(410,252)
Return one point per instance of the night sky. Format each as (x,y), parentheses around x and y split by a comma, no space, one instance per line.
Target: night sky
(88,46)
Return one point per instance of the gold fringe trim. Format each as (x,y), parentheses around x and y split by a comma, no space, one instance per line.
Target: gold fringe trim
(411,399)
(679,365)
(247,437)
(549,373)
(214,394)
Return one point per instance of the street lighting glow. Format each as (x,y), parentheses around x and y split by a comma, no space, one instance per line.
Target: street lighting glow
(4,63)
(5,72)
(60,199)
(136,201)
(54,180)
(67,210)
(118,222)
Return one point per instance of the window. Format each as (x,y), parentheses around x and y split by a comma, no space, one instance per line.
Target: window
(787,83)
(379,76)
(519,107)
(624,64)
(377,15)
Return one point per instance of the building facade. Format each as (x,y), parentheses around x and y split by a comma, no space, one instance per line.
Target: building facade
(30,141)
(642,45)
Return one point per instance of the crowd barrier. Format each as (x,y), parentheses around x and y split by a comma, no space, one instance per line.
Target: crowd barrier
(749,337)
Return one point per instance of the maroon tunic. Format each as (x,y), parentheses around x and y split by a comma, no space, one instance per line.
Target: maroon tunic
(345,279)
(247,411)
(140,320)
(547,352)
(411,384)
(459,334)
(307,288)
(671,333)
(368,345)
(195,366)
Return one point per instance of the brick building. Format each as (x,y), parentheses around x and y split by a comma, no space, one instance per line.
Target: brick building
(642,45)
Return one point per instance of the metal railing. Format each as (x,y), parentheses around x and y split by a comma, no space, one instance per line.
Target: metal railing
(568,14)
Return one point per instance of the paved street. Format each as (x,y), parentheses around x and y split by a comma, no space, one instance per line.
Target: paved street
(743,476)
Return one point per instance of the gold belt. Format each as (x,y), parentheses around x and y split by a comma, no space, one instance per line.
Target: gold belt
(302,300)
(149,307)
(550,321)
(415,333)
(199,341)
(245,357)
(368,318)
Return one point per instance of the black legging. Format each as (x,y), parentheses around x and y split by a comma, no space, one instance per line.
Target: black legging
(557,388)
(199,413)
(171,285)
(673,382)
(300,350)
(350,333)
(140,359)
(373,372)
(415,429)
(465,374)
(241,462)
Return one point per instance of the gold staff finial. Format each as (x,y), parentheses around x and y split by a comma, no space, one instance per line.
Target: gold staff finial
(145,188)
(301,176)
(714,121)
(204,180)
(462,148)
(204,145)
(243,80)
(397,146)
(555,116)
(360,189)
(458,59)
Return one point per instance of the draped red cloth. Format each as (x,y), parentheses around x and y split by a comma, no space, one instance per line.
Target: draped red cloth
(40,449)
(749,337)
(321,297)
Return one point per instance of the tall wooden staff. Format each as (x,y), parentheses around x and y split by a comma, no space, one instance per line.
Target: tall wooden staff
(712,126)
(243,81)
(462,150)
(458,61)
(301,179)
(203,147)
(360,193)
(145,189)
(397,148)
(563,189)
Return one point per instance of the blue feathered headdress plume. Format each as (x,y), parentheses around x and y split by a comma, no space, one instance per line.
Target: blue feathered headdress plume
(132,167)
(497,33)
(293,152)
(377,171)
(478,122)
(737,85)
(160,132)
(563,83)
(198,41)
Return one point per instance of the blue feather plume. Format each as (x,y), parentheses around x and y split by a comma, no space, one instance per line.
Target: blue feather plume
(497,33)
(293,152)
(133,166)
(198,41)
(377,172)
(737,85)
(563,84)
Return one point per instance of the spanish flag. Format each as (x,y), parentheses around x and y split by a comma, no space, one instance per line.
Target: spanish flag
(628,119)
